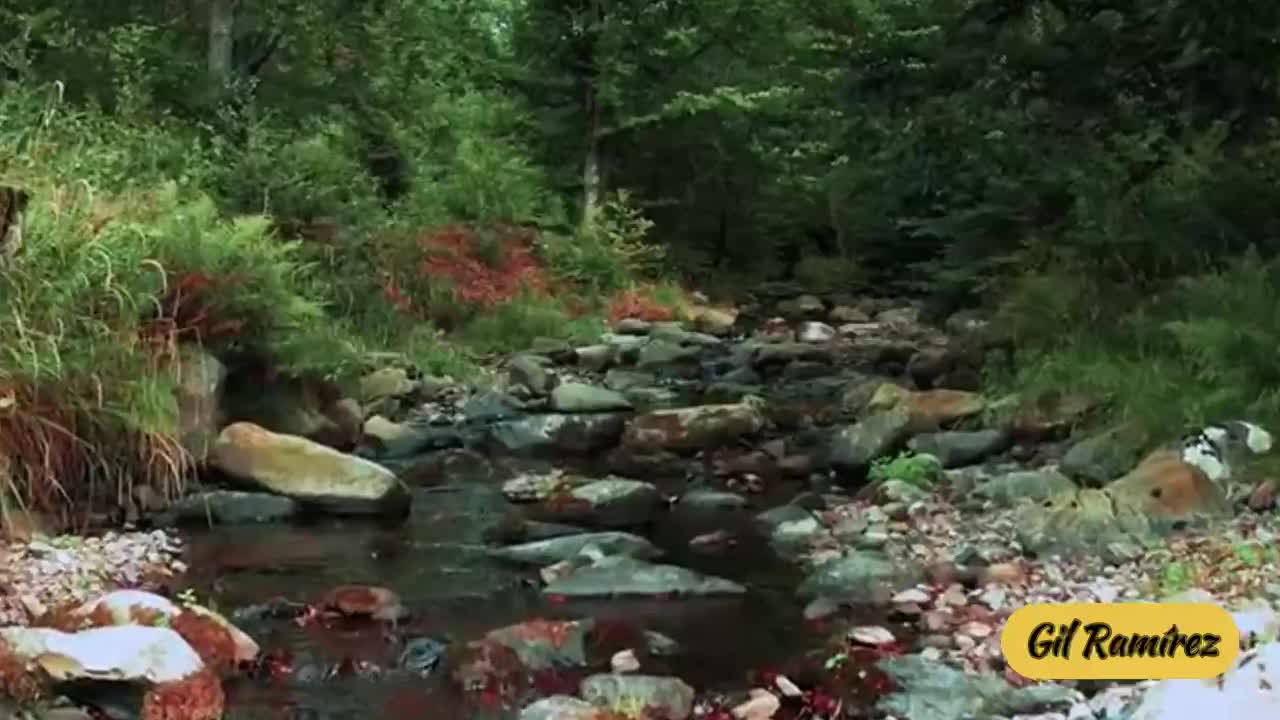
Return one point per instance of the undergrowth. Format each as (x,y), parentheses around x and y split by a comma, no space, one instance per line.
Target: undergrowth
(129,253)
(1197,349)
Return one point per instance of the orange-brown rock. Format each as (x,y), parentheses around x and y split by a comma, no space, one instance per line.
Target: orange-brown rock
(928,408)
(1163,486)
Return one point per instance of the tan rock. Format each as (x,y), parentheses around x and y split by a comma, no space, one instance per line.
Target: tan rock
(928,408)
(692,428)
(305,470)
(1164,486)
(711,320)
(385,383)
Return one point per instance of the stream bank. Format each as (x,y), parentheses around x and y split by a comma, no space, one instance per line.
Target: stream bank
(706,511)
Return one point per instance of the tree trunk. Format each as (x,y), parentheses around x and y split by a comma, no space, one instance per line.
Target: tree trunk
(221,40)
(591,181)
(591,174)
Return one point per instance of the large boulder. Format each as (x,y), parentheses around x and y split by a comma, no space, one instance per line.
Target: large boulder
(853,448)
(693,428)
(556,433)
(307,471)
(928,409)
(123,653)
(199,378)
(620,576)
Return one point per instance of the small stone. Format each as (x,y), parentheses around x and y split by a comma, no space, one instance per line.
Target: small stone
(624,661)
(937,620)
(912,595)
(762,705)
(965,643)
(993,598)
(976,629)
(871,635)
(1003,573)
(954,597)
(786,687)
(557,571)
(937,641)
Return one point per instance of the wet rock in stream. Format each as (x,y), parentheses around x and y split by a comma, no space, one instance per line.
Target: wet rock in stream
(623,576)
(553,550)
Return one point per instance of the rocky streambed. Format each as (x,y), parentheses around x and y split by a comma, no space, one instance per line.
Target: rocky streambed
(815,513)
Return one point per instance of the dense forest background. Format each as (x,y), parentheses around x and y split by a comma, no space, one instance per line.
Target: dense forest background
(1103,174)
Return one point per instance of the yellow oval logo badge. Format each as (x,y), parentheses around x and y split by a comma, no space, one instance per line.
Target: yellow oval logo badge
(1120,641)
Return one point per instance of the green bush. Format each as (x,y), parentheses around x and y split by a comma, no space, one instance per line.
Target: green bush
(1197,349)
(609,255)
(514,326)
(919,470)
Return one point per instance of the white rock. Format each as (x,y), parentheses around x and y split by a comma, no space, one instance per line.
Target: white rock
(121,605)
(816,332)
(1250,690)
(126,653)
(624,661)
(871,635)
(786,687)
(762,705)
(912,595)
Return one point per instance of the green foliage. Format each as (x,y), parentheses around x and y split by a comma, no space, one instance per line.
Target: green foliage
(514,326)
(1199,350)
(1175,577)
(828,274)
(297,176)
(919,470)
(610,254)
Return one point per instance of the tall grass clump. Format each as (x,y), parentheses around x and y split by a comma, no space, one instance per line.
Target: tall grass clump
(123,262)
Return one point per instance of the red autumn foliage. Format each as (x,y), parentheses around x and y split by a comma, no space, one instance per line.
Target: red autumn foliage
(555,632)
(69,618)
(185,313)
(15,681)
(211,641)
(489,672)
(39,437)
(638,303)
(363,601)
(199,697)
(452,254)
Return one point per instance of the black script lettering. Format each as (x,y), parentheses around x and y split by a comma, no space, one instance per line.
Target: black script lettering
(1143,645)
(1192,645)
(1040,649)
(1099,633)
(1210,648)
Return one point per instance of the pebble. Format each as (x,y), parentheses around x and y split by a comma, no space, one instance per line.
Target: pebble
(912,595)
(47,573)
(871,635)
(976,629)
(762,705)
(624,661)
(786,687)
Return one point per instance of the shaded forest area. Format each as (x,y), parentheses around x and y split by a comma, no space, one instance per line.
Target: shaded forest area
(309,181)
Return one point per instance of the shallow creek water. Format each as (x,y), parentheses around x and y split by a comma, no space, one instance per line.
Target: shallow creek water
(436,563)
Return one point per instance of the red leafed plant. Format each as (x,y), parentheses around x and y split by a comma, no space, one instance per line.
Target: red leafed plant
(638,303)
(15,681)
(453,253)
(185,312)
(556,632)
(199,697)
